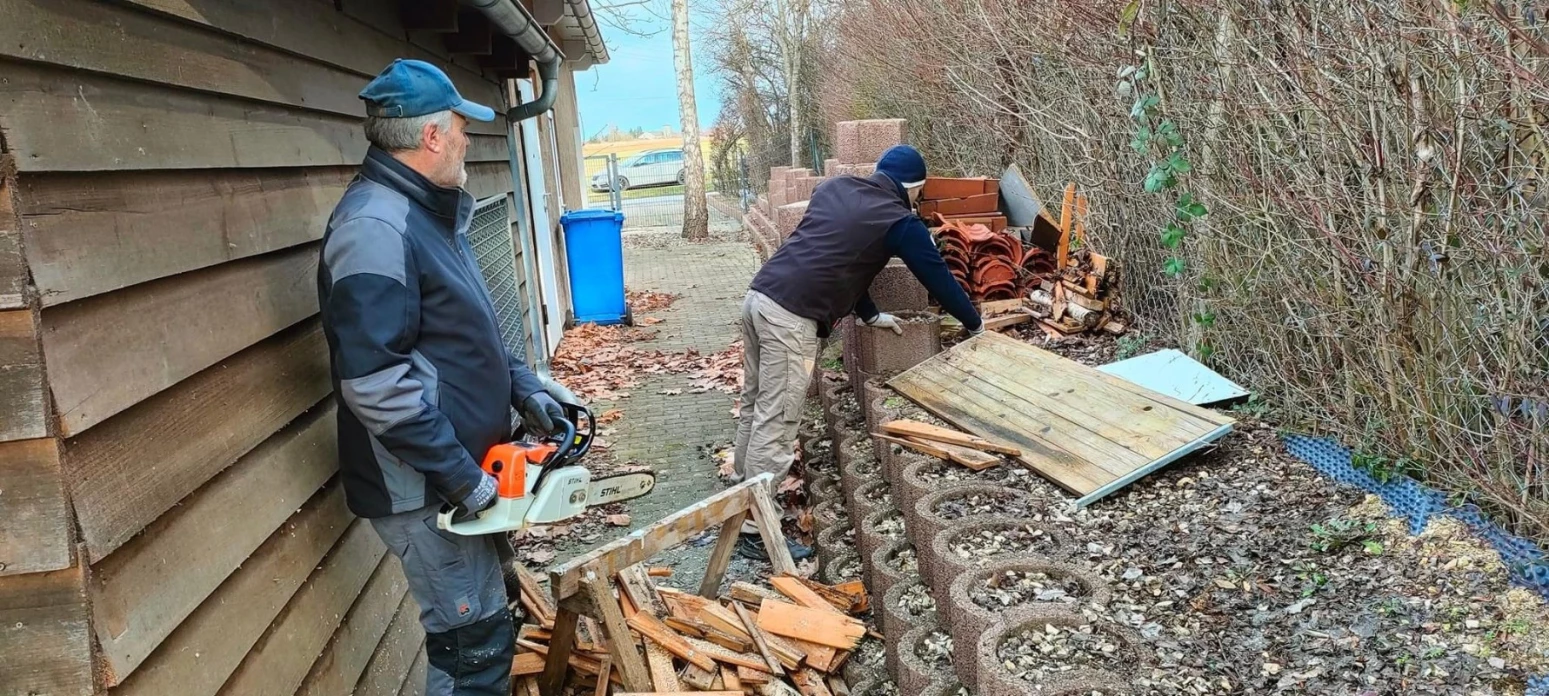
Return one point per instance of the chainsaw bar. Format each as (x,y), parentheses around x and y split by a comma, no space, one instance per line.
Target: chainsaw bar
(612,489)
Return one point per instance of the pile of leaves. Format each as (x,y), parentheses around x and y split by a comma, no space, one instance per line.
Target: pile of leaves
(649,300)
(599,363)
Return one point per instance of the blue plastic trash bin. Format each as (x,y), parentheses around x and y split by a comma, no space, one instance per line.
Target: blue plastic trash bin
(594,247)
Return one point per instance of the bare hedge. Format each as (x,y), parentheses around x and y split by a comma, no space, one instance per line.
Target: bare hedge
(1374,258)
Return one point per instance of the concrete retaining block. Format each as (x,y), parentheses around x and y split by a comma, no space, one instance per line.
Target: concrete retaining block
(941,563)
(847,143)
(880,351)
(788,217)
(895,289)
(967,620)
(877,135)
(915,675)
(1116,668)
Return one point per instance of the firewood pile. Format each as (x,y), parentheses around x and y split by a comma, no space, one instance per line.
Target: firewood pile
(790,638)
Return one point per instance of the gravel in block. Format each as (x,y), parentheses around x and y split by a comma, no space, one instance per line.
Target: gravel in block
(880,529)
(936,510)
(922,474)
(905,606)
(860,465)
(870,498)
(1053,654)
(948,687)
(845,567)
(1011,590)
(891,564)
(881,686)
(827,514)
(882,351)
(837,540)
(867,662)
(924,656)
(826,488)
(975,543)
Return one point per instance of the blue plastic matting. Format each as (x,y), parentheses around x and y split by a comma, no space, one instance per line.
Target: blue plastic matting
(1529,565)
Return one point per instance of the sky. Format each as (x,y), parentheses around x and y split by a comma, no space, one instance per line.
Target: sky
(638,86)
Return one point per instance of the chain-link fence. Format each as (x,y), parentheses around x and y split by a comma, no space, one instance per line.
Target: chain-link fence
(648,187)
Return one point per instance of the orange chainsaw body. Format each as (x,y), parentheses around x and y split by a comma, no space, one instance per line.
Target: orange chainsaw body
(508,461)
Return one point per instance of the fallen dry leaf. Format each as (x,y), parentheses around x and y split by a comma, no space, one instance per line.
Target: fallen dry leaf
(672,392)
(541,555)
(790,483)
(649,321)
(618,520)
(649,301)
(609,416)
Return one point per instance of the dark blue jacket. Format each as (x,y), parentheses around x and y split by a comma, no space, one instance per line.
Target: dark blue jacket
(424,383)
(852,228)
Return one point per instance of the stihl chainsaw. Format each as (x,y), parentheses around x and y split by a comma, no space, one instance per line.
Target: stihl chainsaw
(541,482)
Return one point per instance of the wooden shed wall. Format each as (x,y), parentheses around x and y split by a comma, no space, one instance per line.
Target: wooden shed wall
(170,520)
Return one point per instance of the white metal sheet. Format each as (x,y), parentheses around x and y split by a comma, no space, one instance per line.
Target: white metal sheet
(1174,374)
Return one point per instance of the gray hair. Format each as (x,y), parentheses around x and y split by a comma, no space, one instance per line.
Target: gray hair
(403,134)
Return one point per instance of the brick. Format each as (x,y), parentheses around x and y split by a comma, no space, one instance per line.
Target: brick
(877,135)
(895,289)
(940,187)
(787,217)
(847,142)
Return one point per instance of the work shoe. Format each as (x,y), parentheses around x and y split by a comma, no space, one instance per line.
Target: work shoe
(751,546)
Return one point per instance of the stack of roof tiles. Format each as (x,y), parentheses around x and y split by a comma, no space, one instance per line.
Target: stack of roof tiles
(987,262)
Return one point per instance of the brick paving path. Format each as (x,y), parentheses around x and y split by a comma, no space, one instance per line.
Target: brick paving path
(676,435)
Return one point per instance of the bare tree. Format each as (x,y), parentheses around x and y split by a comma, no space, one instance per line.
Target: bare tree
(696,213)
(793,16)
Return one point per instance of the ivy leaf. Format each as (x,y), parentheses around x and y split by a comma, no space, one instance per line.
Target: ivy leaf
(1172,236)
(1142,140)
(1158,179)
(1174,266)
(1188,209)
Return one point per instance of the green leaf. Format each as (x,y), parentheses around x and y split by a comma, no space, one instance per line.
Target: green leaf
(1173,236)
(1169,133)
(1205,319)
(1142,140)
(1205,351)
(1373,547)
(1127,16)
(1174,266)
(1143,106)
(1178,163)
(1159,179)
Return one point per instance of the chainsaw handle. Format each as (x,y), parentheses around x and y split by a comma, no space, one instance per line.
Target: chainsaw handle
(570,447)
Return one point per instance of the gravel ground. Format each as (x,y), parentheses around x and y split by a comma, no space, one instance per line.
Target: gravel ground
(1246,572)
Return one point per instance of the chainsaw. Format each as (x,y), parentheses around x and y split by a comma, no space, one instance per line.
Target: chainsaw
(540,481)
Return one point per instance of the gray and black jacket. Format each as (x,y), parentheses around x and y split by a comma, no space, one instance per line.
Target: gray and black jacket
(425,385)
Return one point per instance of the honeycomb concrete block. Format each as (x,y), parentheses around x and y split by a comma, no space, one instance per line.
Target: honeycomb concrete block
(967,620)
(788,216)
(915,675)
(898,619)
(937,510)
(887,566)
(960,548)
(881,351)
(877,135)
(1114,669)
(848,142)
(895,289)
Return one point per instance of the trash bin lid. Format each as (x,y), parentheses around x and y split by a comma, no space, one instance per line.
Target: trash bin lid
(590,214)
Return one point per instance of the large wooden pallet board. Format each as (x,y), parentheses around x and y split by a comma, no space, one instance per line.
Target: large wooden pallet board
(1089,432)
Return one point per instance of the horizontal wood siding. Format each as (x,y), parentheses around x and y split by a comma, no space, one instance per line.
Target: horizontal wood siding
(169,170)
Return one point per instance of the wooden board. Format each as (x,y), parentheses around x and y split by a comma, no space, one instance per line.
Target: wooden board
(146,588)
(45,634)
(972,459)
(342,663)
(107,353)
(88,234)
(192,431)
(819,626)
(1089,432)
(414,684)
(23,405)
(396,654)
(13,266)
(62,120)
(212,641)
(35,534)
(279,662)
(654,630)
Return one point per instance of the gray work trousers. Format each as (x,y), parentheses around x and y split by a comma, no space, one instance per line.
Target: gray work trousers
(778,352)
(458,583)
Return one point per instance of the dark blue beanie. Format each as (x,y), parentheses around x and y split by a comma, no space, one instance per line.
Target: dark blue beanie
(903,164)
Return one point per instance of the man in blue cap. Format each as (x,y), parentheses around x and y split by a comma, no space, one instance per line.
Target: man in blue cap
(852,228)
(423,380)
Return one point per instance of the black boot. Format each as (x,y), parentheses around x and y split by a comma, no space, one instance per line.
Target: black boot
(751,546)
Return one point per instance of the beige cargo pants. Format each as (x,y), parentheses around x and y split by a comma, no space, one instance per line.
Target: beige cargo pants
(778,352)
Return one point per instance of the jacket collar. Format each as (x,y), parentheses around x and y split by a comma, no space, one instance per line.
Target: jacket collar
(888,183)
(451,203)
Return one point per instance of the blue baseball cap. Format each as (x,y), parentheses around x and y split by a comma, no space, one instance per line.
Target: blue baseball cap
(410,88)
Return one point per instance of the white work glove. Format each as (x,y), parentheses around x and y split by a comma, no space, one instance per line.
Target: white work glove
(976,332)
(883,320)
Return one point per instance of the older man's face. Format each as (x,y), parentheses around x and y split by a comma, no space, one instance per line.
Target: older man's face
(450,149)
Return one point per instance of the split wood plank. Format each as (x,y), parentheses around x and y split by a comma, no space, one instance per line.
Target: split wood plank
(604,675)
(726,640)
(107,353)
(773,663)
(972,459)
(720,557)
(1009,320)
(752,677)
(14,293)
(926,431)
(697,630)
(701,679)
(836,684)
(530,664)
(801,594)
(767,519)
(192,431)
(634,582)
(225,637)
(141,593)
(672,530)
(23,403)
(626,660)
(729,678)
(726,655)
(35,537)
(45,634)
(395,654)
(1089,432)
(1080,233)
(846,601)
(552,681)
(534,599)
(663,676)
(810,683)
(1067,207)
(341,663)
(87,234)
(818,626)
(581,662)
(679,646)
(994,307)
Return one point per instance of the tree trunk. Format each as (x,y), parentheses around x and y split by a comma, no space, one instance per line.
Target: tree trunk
(696,213)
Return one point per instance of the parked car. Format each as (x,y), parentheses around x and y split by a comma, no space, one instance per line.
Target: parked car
(654,168)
